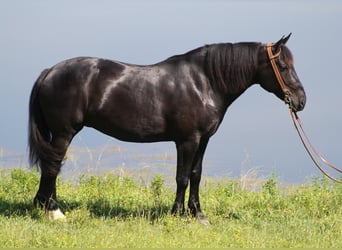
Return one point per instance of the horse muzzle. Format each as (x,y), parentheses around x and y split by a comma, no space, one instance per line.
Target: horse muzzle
(296,103)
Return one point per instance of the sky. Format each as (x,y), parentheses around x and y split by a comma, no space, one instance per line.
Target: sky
(257,131)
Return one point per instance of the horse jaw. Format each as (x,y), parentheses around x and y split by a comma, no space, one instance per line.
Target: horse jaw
(55,215)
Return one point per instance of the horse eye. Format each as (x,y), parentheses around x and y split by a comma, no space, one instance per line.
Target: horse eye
(283,67)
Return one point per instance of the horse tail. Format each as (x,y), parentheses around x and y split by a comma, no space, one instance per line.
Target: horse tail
(39,135)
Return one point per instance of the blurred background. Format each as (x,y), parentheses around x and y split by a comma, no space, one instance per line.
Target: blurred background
(257,136)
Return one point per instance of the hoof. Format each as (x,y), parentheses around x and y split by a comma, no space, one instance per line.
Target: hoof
(55,215)
(202,219)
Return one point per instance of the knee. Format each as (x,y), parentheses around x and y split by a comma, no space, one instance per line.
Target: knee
(182,181)
(196,176)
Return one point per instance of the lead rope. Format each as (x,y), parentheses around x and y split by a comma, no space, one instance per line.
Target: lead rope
(310,149)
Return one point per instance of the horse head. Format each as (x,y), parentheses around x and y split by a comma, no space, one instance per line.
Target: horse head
(277,74)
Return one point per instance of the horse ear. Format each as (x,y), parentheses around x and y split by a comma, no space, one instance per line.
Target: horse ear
(286,38)
(282,41)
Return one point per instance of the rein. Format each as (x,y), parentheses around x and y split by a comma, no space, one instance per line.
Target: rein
(310,149)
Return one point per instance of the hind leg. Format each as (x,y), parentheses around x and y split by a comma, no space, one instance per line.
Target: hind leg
(46,196)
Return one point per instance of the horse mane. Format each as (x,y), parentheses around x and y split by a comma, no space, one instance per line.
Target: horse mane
(230,66)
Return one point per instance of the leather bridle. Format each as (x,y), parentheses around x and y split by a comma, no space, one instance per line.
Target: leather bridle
(311,150)
(272,57)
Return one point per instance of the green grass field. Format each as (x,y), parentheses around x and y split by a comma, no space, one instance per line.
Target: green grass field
(118,211)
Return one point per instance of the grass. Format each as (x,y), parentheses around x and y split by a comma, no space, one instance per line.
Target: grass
(118,211)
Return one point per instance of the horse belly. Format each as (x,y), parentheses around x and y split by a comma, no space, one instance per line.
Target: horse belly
(134,132)
(129,121)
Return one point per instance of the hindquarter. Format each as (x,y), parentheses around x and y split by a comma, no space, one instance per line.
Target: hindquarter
(64,93)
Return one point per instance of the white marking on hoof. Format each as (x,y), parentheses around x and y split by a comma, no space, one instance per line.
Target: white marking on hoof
(55,215)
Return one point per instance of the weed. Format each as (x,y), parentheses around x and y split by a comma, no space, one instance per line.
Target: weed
(156,186)
(270,186)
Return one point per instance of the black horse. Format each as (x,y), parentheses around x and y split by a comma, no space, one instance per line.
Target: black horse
(182,99)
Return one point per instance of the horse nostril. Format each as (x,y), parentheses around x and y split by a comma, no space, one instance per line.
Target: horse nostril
(302,102)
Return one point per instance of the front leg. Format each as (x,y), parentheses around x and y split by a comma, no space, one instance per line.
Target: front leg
(186,152)
(195,178)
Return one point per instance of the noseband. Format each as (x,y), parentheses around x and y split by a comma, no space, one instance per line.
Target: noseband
(280,80)
(311,150)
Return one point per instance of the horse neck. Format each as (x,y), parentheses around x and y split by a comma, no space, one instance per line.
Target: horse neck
(231,68)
